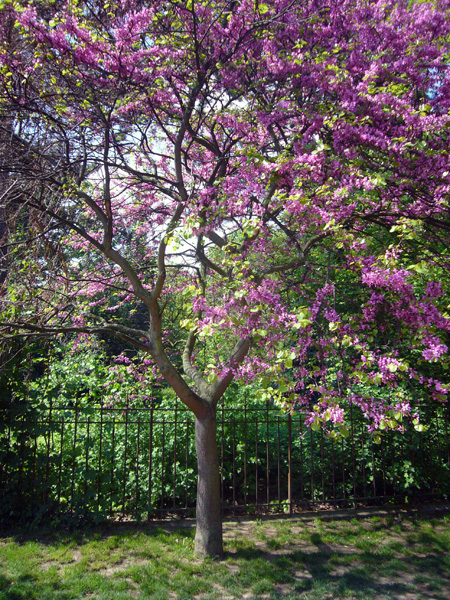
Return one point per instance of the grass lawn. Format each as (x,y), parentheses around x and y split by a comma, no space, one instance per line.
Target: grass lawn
(402,557)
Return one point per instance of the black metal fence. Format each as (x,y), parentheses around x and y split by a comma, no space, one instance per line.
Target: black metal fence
(141,463)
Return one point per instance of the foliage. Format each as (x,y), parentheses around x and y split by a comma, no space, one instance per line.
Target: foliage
(296,176)
(89,438)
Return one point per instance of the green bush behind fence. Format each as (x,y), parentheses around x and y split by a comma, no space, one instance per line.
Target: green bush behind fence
(84,460)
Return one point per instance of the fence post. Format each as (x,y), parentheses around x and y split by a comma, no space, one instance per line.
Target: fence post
(267,456)
(150,464)
(49,443)
(245,450)
(124,486)
(174,465)
(100,466)
(74,463)
(290,463)
(137,487)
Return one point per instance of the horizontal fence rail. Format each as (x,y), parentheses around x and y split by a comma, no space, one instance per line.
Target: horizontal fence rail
(140,463)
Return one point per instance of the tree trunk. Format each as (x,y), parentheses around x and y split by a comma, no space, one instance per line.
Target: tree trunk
(208,536)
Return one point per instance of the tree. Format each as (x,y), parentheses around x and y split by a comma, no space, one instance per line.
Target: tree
(281,167)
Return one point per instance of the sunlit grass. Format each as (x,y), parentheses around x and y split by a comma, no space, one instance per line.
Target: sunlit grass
(375,558)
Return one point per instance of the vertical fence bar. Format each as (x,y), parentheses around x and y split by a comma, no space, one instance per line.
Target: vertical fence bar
(8,452)
(290,463)
(438,435)
(138,487)
(383,465)
(406,455)
(278,463)
(74,462)
(256,461)
(363,462)
(33,471)
(48,442)
(373,471)
(446,419)
(311,463)
(267,456)
(322,465)
(19,491)
(421,459)
(150,464)
(4,464)
(333,466)
(245,450)
(61,454)
(86,465)
(222,457)
(3,476)
(412,456)
(352,433)
(393,462)
(174,497)
(344,490)
(187,464)
(302,482)
(163,457)
(113,450)
(427,453)
(234,461)
(99,468)
(124,487)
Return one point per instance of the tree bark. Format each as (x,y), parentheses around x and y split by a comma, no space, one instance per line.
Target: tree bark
(208,536)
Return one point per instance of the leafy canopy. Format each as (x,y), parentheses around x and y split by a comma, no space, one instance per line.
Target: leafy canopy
(275,175)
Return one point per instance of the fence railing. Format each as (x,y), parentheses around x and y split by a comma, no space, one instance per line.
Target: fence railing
(141,462)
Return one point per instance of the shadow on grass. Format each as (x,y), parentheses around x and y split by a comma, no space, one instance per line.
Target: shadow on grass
(327,573)
(303,569)
(353,580)
(86,533)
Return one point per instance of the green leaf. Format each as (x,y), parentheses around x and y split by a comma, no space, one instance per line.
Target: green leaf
(344,431)
(315,425)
